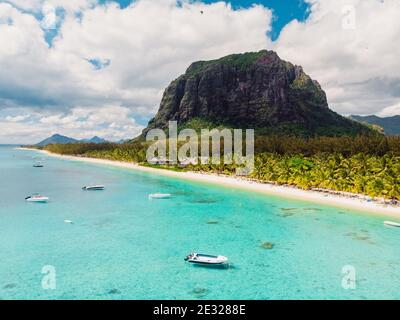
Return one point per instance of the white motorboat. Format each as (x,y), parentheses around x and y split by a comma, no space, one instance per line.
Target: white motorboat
(160,196)
(38,165)
(68,222)
(392,224)
(206,259)
(37,198)
(93,188)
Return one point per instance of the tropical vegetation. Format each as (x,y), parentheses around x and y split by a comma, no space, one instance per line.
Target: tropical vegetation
(367,165)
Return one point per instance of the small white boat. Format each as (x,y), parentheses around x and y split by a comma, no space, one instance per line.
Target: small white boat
(37,198)
(93,188)
(160,196)
(392,224)
(38,165)
(206,259)
(68,222)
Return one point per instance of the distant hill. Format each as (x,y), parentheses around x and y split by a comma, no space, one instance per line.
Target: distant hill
(391,125)
(251,90)
(56,139)
(60,139)
(95,139)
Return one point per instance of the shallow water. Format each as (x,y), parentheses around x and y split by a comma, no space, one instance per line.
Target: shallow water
(124,246)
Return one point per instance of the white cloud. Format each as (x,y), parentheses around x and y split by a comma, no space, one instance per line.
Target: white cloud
(110,122)
(18,118)
(27,5)
(351,47)
(135,51)
(390,111)
(37,5)
(123,58)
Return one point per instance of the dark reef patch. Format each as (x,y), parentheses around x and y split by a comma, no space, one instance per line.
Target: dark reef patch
(362,235)
(204,201)
(288,212)
(114,291)
(199,292)
(267,245)
(212,222)
(10,286)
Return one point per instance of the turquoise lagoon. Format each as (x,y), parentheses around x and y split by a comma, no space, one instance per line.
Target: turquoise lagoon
(124,246)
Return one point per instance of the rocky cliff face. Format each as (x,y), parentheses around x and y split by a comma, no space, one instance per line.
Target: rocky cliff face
(251,90)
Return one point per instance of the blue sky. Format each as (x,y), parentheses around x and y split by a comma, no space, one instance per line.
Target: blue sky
(284,11)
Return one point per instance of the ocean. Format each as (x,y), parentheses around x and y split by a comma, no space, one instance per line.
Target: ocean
(124,246)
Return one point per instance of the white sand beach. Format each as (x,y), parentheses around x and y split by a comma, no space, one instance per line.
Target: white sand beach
(353,202)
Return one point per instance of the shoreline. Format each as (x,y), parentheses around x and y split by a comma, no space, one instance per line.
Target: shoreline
(353,202)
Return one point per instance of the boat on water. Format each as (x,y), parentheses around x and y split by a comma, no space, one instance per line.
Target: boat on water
(38,165)
(160,196)
(37,198)
(392,224)
(93,188)
(206,259)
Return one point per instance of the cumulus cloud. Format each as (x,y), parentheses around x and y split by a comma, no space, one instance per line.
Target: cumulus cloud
(111,122)
(106,57)
(351,47)
(18,118)
(38,5)
(112,56)
(390,111)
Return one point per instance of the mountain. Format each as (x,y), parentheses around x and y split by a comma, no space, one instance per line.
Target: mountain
(95,139)
(251,90)
(391,125)
(56,139)
(59,139)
